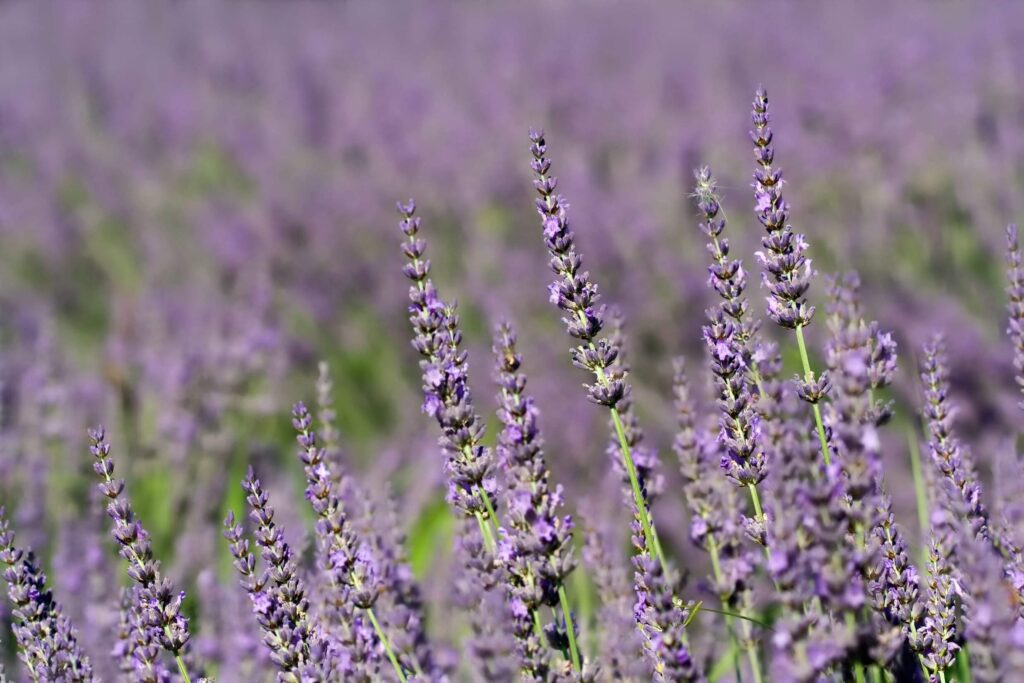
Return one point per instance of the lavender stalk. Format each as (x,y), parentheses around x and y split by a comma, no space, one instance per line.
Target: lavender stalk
(160,605)
(728,335)
(47,642)
(537,550)
(349,568)
(577,296)
(446,392)
(787,270)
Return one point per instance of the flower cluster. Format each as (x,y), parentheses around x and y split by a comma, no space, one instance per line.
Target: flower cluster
(47,642)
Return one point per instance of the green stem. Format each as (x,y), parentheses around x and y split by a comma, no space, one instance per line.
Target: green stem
(752,656)
(809,376)
(485,531)
(181,669)
(387,645)
(653,544)
(569,629)
(755,498)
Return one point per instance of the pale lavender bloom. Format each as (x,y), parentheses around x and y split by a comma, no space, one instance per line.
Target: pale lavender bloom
(955,464)
(351,575)
(936,640)
(620,643)
(660,618)
(278,594)
(490,647)
(992,626)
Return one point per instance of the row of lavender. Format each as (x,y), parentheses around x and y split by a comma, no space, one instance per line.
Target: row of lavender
(813,576)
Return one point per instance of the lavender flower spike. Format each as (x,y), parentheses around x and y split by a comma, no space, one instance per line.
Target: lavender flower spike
(47,643)
(936,640)
(277,593)
(787,270)
(574,293)
(160,605)
(348,566)
(728,335)
(951,459)
(537,550)
(446,392)
(662,620)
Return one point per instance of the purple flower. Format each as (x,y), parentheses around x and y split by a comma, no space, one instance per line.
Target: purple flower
(446,392)
(787,270)
(47,642)
(537,549)
(158,602)
(277,593)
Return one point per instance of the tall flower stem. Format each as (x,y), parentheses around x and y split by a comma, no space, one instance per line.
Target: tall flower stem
(386,643)
(574,652)
(650,535)
(809,377)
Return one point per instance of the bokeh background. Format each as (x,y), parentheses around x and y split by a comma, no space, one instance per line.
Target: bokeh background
(197,206)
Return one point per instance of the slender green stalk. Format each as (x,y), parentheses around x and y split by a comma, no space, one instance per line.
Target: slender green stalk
(752,655)
(567,615)
(387,645)
(809,376)
(181,668)
(485,531)
(651,537)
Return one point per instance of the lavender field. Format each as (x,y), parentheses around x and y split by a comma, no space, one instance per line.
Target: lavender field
(693,350)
